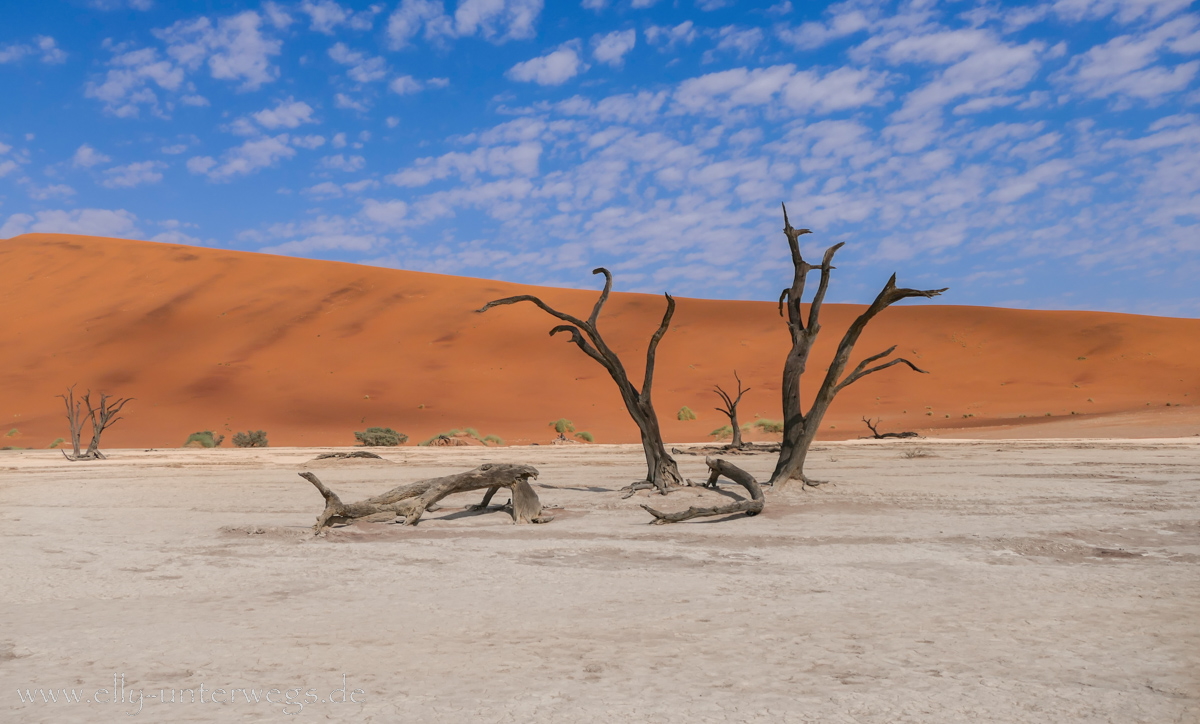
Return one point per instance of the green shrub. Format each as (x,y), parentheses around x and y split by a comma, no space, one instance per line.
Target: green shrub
(494,439)
(381,437)
(769,425)
(562,426)
(250,438)
(685,413)
(203,439)
(13,432)
(57,441)
(585,436)
(723,432)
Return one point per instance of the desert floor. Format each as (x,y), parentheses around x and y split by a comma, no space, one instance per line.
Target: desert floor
(930,581)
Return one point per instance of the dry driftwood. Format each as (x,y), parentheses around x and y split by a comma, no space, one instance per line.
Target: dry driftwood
(876,435)
(717,468)
(412,500)
(661,469)
(747,448)
(345,455)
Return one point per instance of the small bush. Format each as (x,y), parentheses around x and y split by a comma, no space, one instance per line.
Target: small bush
(494,439)
(917,452)
(381,437)
(585,436)
(250,438)
(205,439)
(562,426)
(57,441)
(13,432)
(685,413)
(769,425)
(723,432)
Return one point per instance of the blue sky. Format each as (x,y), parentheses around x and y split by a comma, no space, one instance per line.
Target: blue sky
(1036,154)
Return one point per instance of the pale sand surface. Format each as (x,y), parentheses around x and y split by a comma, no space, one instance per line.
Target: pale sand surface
(995,581)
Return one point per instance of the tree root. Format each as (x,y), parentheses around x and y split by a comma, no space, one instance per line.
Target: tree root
(717,468)
(411,501)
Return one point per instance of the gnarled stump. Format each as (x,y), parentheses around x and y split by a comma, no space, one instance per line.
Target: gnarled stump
(717,468)
(411,501)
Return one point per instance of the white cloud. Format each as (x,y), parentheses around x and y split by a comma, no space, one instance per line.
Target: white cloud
(287,114)
(341,100)
(800,91)
(404,85)
(309,142)
(389,214)
(494,20)
(134,174)
(245,159)
(234,48)
(742,41)
(7,166)
(89,222)
(521,159)
(670,37)
(1126,11)
(326,16)
(363,69)
(554,68)
(340,162)
(811,35)
(86,157)
(339,140)
(43,46)
(1130,65)
(126,84)
(42,193)
(611,48)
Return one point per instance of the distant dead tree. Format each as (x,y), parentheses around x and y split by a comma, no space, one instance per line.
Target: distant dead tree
(800,428)
(730,410)
(662,472)
(102,416)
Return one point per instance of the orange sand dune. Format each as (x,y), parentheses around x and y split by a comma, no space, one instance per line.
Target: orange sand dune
(313,350)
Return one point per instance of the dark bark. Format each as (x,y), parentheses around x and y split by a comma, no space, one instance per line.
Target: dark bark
(74,421)
(730,410)
(876,435)
(717,468)
(661,469)
(800,428)
(409,502)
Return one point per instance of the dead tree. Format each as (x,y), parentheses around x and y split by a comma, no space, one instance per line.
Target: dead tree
(717,468)
(800,428)
(74,421)
(730,411)
(409,502)
(102,416)
(661,470)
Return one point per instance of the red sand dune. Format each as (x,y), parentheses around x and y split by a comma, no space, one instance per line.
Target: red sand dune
(313,350)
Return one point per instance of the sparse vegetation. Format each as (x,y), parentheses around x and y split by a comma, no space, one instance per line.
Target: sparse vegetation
(380,437)
(916,452)
(723,432)
(453,437)
(250,438)
(494,439)
(585,436)
(204,439)
(13,433)
(562,426)
(57,441)
(768,425)
(685,413)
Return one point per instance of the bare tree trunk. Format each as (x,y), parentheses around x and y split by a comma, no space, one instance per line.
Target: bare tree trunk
(800,428)
(661,469)
(74,420)
(411,501)
(717,468)
(730,411)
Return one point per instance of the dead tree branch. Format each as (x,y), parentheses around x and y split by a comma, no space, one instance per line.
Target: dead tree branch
(412,500)
(102,416)
(717,468)
(661,469)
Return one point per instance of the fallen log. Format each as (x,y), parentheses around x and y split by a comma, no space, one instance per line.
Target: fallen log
(717,468)
(412,500)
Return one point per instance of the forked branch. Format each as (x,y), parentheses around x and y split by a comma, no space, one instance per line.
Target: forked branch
(717,468)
